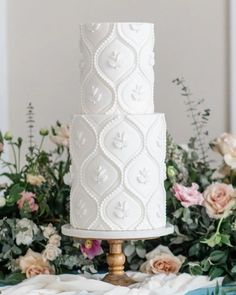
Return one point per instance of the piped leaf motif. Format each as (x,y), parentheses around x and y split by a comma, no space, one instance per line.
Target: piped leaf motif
(101,175)
(93,27)
(144,176)
(114,60)
(120,140)
(135,27)
(159,143)
(137,93)
(82,207)
(80,139)
(96,95)
(121,210)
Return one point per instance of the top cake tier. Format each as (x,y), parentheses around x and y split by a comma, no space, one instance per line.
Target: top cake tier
(116,68)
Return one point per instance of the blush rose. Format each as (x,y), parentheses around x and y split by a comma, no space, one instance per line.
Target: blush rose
(29,199)
(219,200)
(162,260)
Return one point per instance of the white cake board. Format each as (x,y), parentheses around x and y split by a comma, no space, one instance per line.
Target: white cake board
(68,230)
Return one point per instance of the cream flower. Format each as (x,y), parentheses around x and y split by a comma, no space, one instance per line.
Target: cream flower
(162,260)
(220,199)
(2,201)
(26,229)
(33,264)
(36,180)
(62,136)
(55,240)
(230,160)
(225,144)
(68,177)
(48,231)
(51,252)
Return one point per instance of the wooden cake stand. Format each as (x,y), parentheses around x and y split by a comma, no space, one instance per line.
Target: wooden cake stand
(115,239)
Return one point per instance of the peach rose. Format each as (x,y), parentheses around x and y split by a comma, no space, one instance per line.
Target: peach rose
(162,260)
(225,145)
(37,180)
(33,264)
(219,200)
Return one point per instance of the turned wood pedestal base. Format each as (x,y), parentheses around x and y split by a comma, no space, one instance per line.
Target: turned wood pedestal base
(116,257)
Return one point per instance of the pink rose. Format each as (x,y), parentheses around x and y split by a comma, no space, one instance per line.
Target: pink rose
(220,199)
(27,198)
(91,248)
(188,196)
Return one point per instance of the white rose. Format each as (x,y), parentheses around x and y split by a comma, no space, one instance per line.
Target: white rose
(225,144)
(55,240)
(2,201)
(48,231)
(51,252)
(26,229)
(230,160)
(68,177)
(62,135)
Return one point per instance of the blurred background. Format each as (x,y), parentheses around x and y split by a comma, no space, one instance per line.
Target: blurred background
(39,58)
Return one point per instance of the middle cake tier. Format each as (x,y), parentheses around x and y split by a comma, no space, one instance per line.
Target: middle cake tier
(118,172)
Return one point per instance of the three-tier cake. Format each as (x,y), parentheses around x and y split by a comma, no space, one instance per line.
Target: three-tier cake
(117,143)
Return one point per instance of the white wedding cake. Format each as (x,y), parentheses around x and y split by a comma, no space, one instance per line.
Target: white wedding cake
(118,143)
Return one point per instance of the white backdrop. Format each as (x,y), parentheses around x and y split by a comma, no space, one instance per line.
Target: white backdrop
(233,66)
(43,56)
(3,67)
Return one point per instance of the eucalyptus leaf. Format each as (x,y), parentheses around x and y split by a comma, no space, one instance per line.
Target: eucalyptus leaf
(141,252)
(215,272)
(129,250)
(195,270)
(233,270)
(217,255)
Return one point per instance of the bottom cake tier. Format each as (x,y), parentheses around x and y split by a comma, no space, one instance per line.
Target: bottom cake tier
(118,172)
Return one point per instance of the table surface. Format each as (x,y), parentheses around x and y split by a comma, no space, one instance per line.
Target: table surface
(68,284)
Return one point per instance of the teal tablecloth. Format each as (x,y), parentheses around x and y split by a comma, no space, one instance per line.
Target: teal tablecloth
(210,291)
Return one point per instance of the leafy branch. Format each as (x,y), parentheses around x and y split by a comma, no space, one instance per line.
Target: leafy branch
(199,118)
(30,121)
